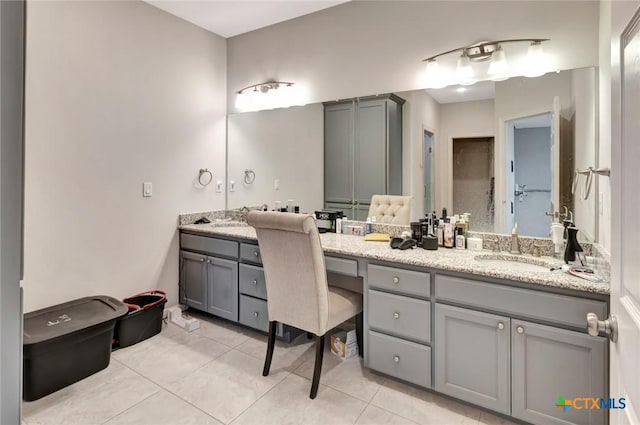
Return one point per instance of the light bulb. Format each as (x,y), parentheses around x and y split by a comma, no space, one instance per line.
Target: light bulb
(241,101)
(434,77)
(464,71)
(498,67)
(535,63)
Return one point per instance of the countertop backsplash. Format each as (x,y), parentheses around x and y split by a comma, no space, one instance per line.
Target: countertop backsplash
(597,256)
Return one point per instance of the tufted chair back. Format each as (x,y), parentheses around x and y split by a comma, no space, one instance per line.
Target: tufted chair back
(390,209)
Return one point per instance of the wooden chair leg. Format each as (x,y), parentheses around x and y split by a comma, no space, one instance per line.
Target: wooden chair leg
(271,343)
(359,332)
(317,369)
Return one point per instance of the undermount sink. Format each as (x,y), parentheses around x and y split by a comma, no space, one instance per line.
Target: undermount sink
(521,264)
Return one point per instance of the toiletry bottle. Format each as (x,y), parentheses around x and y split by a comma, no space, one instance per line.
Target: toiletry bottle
(460,239)
(449,234)
(367,226)
(440,232)
(338,225)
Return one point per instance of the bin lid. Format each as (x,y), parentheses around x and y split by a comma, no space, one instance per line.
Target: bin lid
(66,318)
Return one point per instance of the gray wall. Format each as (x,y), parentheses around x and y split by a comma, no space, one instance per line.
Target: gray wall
(11,165)
(362,48)
(117,93)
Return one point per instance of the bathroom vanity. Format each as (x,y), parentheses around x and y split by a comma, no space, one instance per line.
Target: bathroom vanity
(506,338)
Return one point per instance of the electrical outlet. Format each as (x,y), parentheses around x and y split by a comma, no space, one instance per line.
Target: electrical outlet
(232,186)
(276,184)
(147,189)
(219,186)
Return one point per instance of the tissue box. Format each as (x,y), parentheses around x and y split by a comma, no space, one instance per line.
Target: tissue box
(344,344)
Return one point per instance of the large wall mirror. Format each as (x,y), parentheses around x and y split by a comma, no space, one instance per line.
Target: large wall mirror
(504,151)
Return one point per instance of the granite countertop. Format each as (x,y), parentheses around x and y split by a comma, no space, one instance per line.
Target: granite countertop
(464,261)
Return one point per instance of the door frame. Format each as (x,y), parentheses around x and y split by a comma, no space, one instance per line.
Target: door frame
(432,170)
(501,195)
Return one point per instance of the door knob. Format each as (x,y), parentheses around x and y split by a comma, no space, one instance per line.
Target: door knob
(396,359)
(500,325)
(609,326)
(396,315)
(396,279)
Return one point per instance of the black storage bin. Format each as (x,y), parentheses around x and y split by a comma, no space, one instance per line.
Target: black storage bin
(144,319)
(65,343)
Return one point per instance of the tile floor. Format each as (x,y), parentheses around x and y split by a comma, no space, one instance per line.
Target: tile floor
(214,376)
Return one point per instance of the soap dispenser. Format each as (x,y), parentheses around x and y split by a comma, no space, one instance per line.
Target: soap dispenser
(572,245)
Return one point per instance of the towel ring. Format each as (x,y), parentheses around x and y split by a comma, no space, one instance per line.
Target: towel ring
(249,176)
(204,172)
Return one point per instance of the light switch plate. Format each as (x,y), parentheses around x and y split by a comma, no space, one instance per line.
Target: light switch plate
(232,186)
(218,186)
(147,189)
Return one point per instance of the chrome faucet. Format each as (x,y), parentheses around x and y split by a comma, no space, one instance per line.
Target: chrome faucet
(515,243)
(536,249)
(243,214)
(496,243)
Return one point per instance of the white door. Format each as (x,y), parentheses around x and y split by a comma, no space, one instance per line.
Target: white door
(625,267)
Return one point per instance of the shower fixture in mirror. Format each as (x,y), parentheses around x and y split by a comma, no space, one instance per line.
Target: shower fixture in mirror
(487,60)
(512,121)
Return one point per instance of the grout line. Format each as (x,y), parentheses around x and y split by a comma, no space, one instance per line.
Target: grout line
(131,407)
(260,398)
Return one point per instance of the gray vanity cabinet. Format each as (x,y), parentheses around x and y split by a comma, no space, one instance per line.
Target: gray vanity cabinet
(548,362)
(193,279)
(472,356)
(222,288)
(363,152)
(397,313)
(209,274)
(339,152)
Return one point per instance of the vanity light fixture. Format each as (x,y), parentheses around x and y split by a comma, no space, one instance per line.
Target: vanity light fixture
(267,95)
(535,64)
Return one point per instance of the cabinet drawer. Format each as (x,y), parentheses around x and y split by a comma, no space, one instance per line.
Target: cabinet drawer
(403,359)
(250,253)
(251,281)
(341,266)
(405,281)
(399,315)
(561,309)
(212,246)
(253,313)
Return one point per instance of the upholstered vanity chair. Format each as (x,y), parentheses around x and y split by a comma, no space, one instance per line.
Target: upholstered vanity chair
(298,293)
(390,209)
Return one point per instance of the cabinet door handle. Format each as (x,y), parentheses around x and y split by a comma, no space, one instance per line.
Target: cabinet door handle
(209,261)
(256,253)
(396,315)
(396,359)
(396,279)
(500,325)
(255,282)
(256,314)
(202,260)
(520,329)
